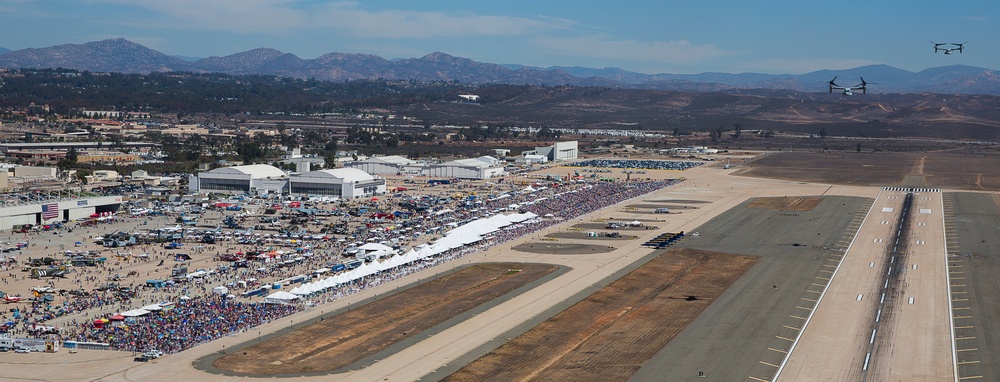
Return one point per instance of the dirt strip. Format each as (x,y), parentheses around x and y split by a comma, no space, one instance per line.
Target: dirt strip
(612,333)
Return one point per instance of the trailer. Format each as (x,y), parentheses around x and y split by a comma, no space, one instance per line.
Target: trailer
(36,344)
(262,291)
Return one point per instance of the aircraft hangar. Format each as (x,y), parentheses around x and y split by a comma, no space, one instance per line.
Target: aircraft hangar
(37,209)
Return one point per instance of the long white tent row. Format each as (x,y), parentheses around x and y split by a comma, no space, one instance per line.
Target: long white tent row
(458,237)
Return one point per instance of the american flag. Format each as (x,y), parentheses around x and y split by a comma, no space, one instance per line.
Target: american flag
(50,211)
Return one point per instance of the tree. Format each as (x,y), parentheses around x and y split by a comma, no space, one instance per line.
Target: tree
(738,130)
(822,132)
(859,147)
(71,155)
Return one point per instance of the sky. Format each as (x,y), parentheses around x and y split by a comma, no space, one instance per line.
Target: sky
(648,36)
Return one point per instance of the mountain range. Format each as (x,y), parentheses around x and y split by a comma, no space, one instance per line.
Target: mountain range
(121,55)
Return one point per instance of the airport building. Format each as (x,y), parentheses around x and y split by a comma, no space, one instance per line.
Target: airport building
(484,167)
(249,179)
(34,208)
(559,151)
(265,179)
(387,165)
(347,183)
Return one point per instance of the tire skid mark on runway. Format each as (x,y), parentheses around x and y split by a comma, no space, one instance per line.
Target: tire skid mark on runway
(880,351)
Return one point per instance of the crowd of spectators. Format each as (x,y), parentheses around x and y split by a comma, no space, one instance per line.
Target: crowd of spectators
(206,316)
(647,164)
(187,324)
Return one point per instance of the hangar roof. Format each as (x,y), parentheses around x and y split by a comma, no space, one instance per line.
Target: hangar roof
(480,162)
(256,171)
(392,159)
(345,174)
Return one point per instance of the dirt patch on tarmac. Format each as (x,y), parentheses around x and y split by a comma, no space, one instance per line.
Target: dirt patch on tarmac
(612,333)
(343,339)
(786,203)
(555,248)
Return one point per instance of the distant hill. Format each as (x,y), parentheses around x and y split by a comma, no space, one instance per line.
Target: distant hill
(120,55)
(4,50)
(189,59)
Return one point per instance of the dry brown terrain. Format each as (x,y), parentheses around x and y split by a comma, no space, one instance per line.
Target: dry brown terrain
(343,339)
(952,170)
(786,203)
(612,333)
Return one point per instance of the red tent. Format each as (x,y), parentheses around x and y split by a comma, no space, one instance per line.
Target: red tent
(99,323)
(117,317)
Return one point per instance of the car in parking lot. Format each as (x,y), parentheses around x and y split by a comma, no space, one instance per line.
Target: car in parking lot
(22,351)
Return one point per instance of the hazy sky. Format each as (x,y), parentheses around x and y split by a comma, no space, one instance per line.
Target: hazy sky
(773,36)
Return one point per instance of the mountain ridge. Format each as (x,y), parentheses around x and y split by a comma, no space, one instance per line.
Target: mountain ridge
(121,55)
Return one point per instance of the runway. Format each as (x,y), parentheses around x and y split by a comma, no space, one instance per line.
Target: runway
(885,314)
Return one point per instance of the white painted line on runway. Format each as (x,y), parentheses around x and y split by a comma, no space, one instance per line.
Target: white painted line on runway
(882,300)
(872,340)
(911,300)
(867,358)
(914,266)
(886,286)
(878,315)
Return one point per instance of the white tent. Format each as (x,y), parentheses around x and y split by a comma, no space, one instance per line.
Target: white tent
(136,313)
(280,297)
(375,247)
(153,307)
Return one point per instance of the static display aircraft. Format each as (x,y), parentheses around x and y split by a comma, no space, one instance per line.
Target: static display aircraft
(50,272)
(863,87)
(957,46)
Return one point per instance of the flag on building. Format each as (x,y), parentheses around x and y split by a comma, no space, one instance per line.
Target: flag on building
(50,211)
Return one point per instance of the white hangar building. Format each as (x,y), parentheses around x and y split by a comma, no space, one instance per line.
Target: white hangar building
(387,165)
(559,151)
(347,183)
(249,179)
(56,210)
(484,167)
